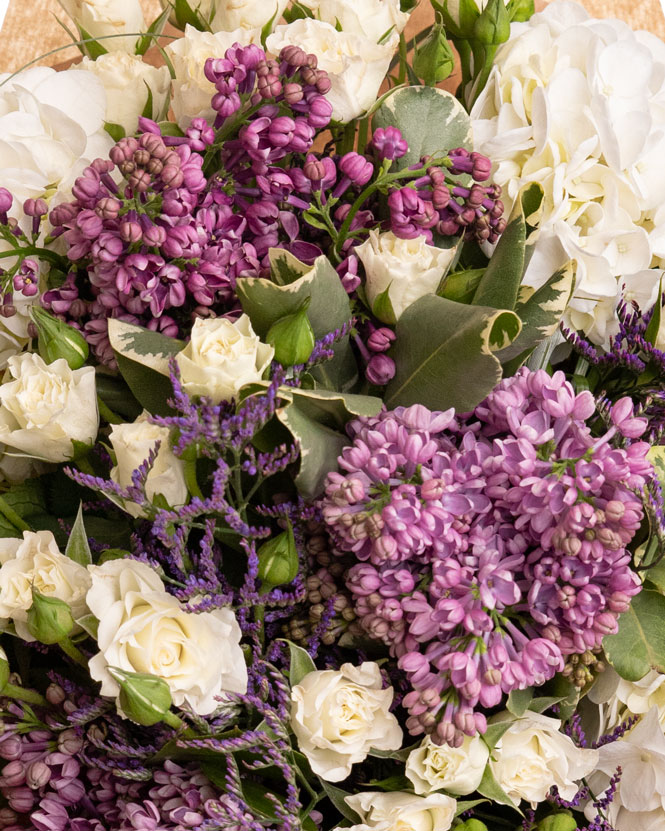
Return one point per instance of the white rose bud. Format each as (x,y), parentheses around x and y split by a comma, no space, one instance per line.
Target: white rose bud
(533,755)
(371,18)
(132,444)
(453,8)
(407,268)
(144,629)
(246,14)
(99,18)
(127,79)
(355,65)
(47,407)
(222,357)
(36,562)
(458,770)
(192,91)
(339,716)
(397,810)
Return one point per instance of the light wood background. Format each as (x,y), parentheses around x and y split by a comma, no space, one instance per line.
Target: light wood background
(30,28)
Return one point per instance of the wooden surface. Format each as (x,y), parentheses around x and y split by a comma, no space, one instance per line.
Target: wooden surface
(30,28)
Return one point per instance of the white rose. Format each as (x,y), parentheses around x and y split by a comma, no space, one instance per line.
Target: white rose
(127,79)
(339,716)
(36,561)
(221,357)
(533,755)
(618,699)
(398,811)
(132,444)
(639,801)
(371,18)
(51,127)
(100,18)
(142,628)
(47,407)
(192,91)
(458,770)
(407,268)
(355,65)
(245,14)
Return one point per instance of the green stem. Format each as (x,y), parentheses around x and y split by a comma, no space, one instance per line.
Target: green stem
(483,59)
(363,129)
(172,720)
(348,138)
(10,514)
(19,694)
(464,52)
(107,414)
(43,253)
(403,60)
(190,479)
(74,653)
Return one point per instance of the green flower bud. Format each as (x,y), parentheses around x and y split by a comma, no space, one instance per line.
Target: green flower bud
(458,16)
(557,822)
(471,825)
(58,340)
(492,27)
(143,698)
(520,10)
(434,61)
(4,669)
(49,618)
(292,337)
(278,560)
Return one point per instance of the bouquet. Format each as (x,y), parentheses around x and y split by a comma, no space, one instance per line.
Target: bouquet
(331,421)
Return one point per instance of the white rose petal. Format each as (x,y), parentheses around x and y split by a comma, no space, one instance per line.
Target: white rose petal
(101,18)
(407,268)
(47,407)
(36,562)
(371,18)
(533,755)
(245,14)
(398,811)
(132,443)
(458,770)
(144,629)
(339,716)
(127,80)
(221,357)
(355,65)
(192,91)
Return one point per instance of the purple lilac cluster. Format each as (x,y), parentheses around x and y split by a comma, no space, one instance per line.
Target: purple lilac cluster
(491,546)
(430,203)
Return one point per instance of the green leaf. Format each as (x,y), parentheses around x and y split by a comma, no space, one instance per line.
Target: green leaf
(501,281)
(93,47)
(185,14)
(651,334)
(383,308)
(89,624)
(150,388)
(336,796)
(284,267)
(540,311)
(639,645)
(518,701)
(495,730)
(116,131)
(155,28)
(143,346)
(466,805)
(460,286)
(78,549)
(490,788)
(300,663)
(431,120)
(544,702)
(266,302)
(316,418)
(445,356)
(392,783)
(147,109)
(170,128)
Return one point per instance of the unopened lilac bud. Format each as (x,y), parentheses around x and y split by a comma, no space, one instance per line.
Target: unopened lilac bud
(20,799)
(131,232)
(381,339)
(293,93)
(35,207)
(13,774)
(37,775)
(380,370)
(7,817)
(314,168)
(141,157)
(10,748)
(140,181)
(55,694)
(6,200)
(70,742)
(172,176)
(357,168)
